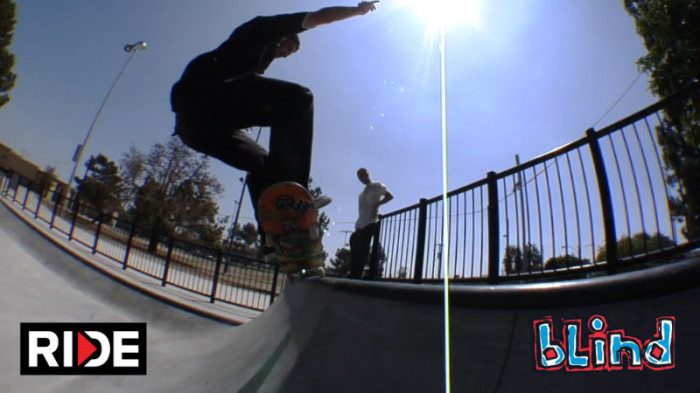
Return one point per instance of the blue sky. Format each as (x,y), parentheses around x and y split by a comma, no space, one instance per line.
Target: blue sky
(523,77)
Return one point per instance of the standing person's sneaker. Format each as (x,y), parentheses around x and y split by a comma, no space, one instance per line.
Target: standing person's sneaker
(322,200)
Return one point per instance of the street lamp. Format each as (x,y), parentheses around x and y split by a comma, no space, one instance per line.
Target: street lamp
(240,202)
(133,49)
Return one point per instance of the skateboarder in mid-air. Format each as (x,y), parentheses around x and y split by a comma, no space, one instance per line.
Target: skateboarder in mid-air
(223,92)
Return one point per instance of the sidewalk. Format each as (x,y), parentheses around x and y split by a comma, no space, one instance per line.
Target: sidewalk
(149,286)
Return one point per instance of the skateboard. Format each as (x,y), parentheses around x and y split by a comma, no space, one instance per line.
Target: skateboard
(290,220)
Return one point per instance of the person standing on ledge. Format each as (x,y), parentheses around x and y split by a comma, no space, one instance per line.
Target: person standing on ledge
(372,196)
(223,92)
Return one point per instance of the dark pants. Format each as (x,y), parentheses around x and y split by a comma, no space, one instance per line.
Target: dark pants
(247,101)
(360,242)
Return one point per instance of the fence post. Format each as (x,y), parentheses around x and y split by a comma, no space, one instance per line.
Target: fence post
(219,258)
(76,207)
(132,232)
(55,210)
(26,196)
(8,184)
(19,181)
(420,241)
(605,200)
(275,278)
(38,203)
(493,227)
(97,232)
(166,268)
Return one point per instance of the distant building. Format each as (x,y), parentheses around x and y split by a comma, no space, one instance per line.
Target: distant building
(16,166)
(12,162)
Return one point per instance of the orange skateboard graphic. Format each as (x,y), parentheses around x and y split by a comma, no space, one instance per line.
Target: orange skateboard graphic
(290,220)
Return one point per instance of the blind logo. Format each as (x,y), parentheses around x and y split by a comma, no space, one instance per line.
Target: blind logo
(83,348)
(602,349)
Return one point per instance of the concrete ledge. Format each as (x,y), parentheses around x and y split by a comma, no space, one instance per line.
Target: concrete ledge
(647,283)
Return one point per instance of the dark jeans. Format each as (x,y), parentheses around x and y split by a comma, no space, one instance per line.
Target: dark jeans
(360,242)
(247,101)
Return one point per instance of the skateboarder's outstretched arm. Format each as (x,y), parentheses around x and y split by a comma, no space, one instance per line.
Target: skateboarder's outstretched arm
(334,14)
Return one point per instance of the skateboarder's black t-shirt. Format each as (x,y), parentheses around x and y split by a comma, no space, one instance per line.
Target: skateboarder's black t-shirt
(250,48)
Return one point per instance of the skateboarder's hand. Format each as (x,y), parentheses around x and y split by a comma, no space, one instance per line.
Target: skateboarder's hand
(366,6)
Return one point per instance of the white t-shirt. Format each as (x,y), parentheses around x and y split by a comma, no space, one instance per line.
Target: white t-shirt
(368,198)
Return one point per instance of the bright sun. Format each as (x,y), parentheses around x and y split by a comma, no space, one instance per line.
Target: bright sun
(447,12)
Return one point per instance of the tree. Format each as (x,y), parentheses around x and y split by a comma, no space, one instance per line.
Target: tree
(46,180)
(132,167)
(639,244)
(671,33)
(323,220)
(381,261)
(403,272)
(8,12)
(102,186)
(565,262)
(246,239)
(517,260)
(171,191)
(340,265)
(250,235)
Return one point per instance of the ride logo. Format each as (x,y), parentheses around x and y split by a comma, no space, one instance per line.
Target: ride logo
(83,348)
(601,348)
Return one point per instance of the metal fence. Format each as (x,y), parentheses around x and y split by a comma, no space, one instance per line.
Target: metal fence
(212,273)
(593,206)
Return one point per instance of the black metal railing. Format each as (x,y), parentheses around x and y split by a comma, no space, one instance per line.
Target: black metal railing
(231,278)
(593,206)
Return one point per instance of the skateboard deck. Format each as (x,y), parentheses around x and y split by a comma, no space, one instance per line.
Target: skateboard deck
(290,220)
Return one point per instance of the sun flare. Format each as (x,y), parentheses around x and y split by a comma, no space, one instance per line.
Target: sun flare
(447,12)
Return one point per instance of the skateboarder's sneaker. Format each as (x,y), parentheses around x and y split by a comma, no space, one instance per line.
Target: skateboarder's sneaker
(303,261)
(299,256)
(322,201)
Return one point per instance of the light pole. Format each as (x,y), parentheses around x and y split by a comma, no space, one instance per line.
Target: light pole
(132,49)
(234,224)
(240,202)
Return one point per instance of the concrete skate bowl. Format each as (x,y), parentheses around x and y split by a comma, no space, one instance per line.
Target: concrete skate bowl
(364,337)
(634,331)
(336,335)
